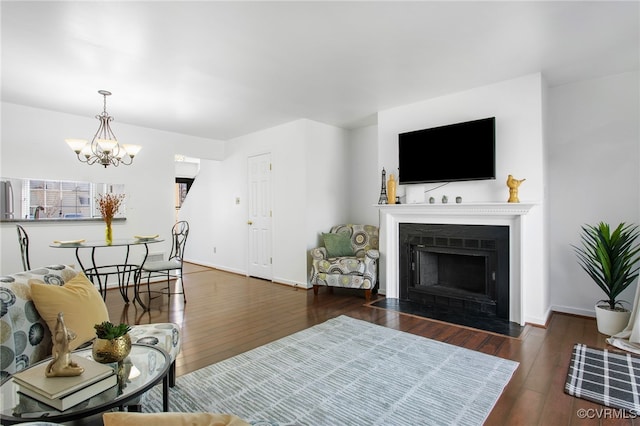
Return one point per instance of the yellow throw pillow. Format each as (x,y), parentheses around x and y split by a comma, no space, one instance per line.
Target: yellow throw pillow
(80,302)
(123,418)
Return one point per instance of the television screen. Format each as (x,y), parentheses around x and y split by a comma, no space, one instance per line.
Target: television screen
(455,152)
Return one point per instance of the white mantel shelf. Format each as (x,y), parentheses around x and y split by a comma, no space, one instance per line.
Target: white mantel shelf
(464,209)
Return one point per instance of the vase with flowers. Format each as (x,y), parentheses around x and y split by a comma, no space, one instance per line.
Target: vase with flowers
(109,204)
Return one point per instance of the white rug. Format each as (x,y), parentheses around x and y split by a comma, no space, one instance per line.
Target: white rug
(346,372)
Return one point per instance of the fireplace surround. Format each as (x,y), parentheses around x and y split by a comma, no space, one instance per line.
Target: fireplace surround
(522,254)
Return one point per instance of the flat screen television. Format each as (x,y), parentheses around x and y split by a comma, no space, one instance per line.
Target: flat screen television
(455,152)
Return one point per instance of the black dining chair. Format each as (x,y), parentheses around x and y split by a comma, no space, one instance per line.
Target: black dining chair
(164,268)
(23,239)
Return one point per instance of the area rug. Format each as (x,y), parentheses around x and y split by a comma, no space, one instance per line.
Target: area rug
(346,372)
(604,377)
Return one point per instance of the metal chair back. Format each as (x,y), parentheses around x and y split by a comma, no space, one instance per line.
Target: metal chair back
(23,239)
(179,234)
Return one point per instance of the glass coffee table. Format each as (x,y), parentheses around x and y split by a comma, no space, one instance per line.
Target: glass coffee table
(145,367)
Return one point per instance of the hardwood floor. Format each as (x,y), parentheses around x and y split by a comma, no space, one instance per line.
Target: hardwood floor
(227,314)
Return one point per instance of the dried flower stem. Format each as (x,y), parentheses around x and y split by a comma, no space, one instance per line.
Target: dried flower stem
(108,204)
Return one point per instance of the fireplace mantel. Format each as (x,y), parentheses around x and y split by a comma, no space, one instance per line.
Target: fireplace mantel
(463,209)
(508,214)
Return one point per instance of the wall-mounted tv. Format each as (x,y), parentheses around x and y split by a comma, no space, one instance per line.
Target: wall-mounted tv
(455,152)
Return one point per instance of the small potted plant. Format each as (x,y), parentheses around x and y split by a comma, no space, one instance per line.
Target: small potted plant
(610,259)
(112,343)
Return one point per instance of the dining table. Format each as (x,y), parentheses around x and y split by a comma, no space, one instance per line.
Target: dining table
(126,272)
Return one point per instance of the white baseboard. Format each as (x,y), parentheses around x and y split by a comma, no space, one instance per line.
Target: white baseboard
(215,266)
(574,311)
(292,283)
(537,320)
(245,273)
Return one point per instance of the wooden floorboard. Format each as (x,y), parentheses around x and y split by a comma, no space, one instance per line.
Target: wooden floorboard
(227,314)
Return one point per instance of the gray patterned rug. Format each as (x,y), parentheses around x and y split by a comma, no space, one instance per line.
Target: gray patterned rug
(346,372)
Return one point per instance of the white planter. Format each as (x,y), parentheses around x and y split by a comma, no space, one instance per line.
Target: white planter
(611,322)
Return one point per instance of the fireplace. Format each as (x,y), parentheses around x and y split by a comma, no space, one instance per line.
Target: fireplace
(526,293)
(464,267)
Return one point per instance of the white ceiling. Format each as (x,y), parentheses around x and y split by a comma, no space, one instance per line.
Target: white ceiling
(223,69)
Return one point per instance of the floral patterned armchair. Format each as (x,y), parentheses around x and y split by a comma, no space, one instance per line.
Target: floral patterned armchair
(348,259)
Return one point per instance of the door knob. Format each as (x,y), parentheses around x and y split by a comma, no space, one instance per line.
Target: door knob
(249,222)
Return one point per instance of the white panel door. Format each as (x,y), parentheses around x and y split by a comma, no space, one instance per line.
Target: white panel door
(260,216)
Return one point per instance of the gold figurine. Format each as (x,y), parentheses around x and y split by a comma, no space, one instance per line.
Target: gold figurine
(513,185)
(61,365)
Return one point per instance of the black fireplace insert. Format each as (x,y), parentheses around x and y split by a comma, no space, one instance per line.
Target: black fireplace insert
(464,267)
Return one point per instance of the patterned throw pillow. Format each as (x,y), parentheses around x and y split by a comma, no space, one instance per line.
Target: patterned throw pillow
(24,335)
(338,245)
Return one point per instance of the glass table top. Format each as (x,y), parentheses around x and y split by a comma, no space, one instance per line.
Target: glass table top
(142,369)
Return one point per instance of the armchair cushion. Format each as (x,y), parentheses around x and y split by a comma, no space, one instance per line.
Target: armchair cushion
(338,245)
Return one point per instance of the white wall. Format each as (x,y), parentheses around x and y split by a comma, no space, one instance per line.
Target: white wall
(309,196)
(186,169)
(328,175)
(33,147)
(594,175)
(517,105)
(324,176)
(202,209)
(364,176)
(581,124)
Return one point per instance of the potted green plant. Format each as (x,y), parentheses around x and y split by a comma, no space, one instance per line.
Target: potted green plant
(112,343)
(610,259)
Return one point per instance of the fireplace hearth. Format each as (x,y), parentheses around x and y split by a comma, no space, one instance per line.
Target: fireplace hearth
(458,268)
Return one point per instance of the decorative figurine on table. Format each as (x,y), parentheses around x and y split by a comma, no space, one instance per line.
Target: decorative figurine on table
(513,185)
(61,365)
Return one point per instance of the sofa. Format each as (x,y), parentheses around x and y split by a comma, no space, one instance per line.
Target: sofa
(29,299)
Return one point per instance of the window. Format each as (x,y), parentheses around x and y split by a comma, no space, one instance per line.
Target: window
(61,199)
(57,199)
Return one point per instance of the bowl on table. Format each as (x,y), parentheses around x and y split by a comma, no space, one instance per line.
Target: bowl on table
(69,243)
(143,238)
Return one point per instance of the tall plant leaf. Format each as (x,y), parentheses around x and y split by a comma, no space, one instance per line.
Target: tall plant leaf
(610,258)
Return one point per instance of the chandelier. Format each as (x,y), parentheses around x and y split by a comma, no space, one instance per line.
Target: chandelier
(104,148)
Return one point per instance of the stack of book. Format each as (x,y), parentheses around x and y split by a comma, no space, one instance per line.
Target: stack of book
(63,393)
